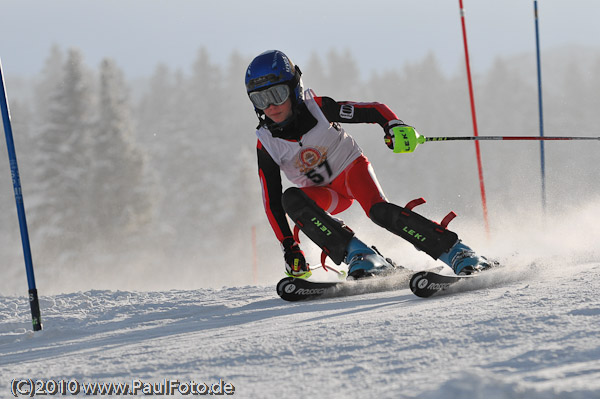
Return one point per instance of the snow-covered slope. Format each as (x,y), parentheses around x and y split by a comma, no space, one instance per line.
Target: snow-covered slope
(536,337)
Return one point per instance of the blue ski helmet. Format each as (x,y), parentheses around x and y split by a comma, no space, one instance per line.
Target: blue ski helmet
(273,68)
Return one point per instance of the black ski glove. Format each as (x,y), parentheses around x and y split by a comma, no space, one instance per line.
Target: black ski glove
(295,263)
(389,138)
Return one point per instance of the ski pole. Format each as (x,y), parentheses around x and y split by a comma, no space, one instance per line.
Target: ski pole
(407,138)
(532,138)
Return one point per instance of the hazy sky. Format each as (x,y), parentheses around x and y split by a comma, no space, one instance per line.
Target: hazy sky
(380,34)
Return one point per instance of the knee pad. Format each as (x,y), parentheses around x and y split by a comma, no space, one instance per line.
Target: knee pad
(329,234)
(424,234)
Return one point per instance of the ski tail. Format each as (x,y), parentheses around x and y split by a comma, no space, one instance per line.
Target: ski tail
(294,289)
(428,283)
(425,284)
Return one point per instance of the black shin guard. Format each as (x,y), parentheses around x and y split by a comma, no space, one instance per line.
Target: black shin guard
(317,224)
(423,233)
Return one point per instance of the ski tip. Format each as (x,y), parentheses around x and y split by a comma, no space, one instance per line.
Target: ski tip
(419,285)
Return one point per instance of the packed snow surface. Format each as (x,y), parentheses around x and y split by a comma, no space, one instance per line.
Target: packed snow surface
(533,334)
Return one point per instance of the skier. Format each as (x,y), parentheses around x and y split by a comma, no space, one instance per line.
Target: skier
(299,133)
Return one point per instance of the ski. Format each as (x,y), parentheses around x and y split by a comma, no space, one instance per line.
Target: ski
(297,289)
(429,283)
(425,284)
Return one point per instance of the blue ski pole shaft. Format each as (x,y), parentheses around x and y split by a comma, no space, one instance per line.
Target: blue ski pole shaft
(541,108)
(14,168)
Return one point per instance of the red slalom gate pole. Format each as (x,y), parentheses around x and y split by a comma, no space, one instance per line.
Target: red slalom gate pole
(474,117)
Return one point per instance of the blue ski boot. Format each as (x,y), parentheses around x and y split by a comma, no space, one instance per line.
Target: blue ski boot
(463,260)
(364,261)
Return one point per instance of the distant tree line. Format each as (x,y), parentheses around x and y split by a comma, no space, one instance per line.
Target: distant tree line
(170,172)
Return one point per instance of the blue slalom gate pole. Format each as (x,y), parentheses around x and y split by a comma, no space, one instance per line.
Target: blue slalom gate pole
(541,112)
(14,169)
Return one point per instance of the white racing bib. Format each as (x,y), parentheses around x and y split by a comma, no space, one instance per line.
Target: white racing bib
(320,155)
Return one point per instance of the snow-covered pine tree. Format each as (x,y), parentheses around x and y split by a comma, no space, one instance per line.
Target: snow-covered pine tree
(121,190)
(60,217)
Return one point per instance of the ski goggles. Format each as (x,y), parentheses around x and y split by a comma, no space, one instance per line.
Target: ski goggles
(275,95)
